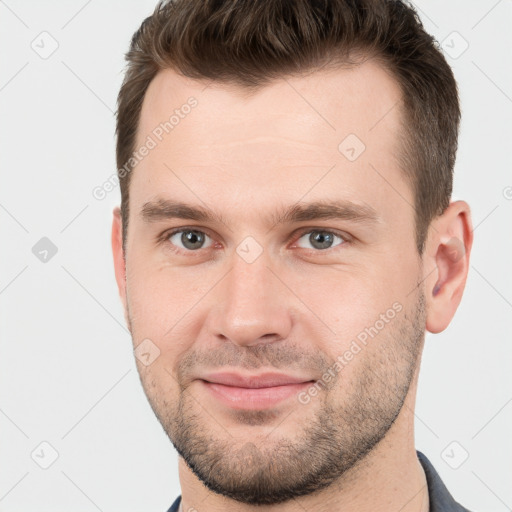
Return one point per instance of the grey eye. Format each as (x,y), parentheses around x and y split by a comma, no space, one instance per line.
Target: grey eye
(190,239)
(320,239)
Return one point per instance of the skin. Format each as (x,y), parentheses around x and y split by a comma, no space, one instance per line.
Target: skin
(296,307)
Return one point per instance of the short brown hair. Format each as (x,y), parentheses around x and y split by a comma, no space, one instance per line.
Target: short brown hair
(251,42)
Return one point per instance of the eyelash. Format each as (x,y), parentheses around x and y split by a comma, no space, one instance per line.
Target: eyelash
(164,238)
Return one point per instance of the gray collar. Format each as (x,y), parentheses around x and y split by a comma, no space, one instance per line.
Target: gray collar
(440,498)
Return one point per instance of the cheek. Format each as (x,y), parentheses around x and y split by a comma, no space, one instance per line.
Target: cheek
(347,299)
(350,310)
(162,300)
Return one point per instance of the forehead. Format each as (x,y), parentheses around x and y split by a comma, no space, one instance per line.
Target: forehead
(282,138)
(329,102)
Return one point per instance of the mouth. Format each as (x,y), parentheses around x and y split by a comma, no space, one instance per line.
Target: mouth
(253,392)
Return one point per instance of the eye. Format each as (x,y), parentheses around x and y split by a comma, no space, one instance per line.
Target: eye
(190,239)
(320,239)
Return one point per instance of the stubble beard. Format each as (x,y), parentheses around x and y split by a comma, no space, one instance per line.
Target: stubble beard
(326,445)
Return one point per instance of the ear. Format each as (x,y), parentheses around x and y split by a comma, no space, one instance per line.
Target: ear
(119,257)
(447,251)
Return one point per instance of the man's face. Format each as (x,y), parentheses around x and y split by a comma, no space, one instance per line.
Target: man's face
(252,291)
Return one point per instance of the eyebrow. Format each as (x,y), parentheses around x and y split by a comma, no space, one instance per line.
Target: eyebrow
(165,209)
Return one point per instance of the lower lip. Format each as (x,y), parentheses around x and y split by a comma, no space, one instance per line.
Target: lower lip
(253,398)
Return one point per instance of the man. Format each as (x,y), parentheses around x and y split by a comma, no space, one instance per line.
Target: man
(285,239)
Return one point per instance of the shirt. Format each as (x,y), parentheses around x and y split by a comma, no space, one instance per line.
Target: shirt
(440,499)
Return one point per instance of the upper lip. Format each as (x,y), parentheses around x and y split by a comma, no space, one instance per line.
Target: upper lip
(264,380)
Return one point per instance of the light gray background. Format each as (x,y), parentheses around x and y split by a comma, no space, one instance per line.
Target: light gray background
(67,373)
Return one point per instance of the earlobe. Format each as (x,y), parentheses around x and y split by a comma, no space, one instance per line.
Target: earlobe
(448,250)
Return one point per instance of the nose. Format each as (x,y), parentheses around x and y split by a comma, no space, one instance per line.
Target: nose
(252,305)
